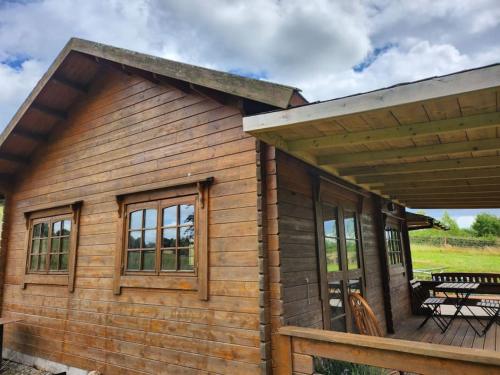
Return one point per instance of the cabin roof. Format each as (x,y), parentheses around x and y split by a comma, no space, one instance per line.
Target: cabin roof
(416,221)
(433,143)
(76,67)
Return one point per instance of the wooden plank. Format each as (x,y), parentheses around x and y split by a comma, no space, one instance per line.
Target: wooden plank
(431,176)
(58,114)
(427,166)
(403,355)
(485,120)
(401,153)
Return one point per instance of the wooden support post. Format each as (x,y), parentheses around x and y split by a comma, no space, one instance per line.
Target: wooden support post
(284,355)
(384,265)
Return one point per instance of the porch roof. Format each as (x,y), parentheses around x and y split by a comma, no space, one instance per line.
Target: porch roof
(433,143)
(417,221)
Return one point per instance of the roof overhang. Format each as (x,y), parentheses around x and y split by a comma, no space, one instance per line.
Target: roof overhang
(416,221)
(77,67)
(428,144)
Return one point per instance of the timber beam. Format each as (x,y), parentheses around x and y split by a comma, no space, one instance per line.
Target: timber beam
(425,166)
(82,89)
(13,158)
(430,176)
(37,137)
(409,152)
(449,184)
(60,115)
(398,132)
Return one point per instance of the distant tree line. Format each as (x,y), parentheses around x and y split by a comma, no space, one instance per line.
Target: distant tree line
(484,231)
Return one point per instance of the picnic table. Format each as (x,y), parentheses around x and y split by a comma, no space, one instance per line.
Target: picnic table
(461,299)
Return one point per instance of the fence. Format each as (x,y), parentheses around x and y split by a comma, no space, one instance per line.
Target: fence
(455,241)
(297,348)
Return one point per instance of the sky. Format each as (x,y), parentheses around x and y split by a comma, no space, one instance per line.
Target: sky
(328,49)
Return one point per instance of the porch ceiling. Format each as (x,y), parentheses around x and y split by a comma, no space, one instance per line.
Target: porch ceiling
(434,143)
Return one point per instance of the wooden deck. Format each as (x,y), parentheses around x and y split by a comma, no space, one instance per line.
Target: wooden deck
(458,334)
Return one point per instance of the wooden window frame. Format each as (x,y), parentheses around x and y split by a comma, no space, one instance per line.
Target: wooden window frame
(330,194)
(67,211)
(159,206)
(193,191)
(394,226)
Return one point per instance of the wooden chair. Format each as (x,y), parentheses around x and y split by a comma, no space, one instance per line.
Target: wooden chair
(364,318)
(366,321)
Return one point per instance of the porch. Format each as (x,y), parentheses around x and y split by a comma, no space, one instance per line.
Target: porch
(428,144)
(459,334)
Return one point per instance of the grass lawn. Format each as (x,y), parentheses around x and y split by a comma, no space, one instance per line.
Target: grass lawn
(456,259)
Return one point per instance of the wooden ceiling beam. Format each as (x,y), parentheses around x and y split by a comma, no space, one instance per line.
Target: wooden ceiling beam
(60,115)
(82,89)
(430,176)
(353,158)
(397,132)
(451,183)
(467,189)
(478,205)
(13,158)
(36,137)
(425,166)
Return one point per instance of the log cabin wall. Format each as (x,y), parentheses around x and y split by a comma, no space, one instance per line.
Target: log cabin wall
(300,302)
(131,133)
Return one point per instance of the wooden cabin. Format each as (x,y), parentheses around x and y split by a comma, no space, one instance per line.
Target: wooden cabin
(145,231)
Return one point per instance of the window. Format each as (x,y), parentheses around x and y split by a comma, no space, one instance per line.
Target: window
(394,244)
(163,239)
(51,243)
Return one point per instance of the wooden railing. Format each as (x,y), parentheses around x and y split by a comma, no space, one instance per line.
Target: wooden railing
(297,347)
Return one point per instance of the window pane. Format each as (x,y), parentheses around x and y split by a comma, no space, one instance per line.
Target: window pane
(35,247)
(56,228)
(187,214)
(55,245)
(350,226)
(352,254)
(54,259)
(354,286)
(330,221)
(136,220)
(65,244)
(133,260)
(134,239)
(66,228)
(330,227)
(148,259)
(63,262)
(43,245)
(170,216)
(149,239)
(45,230)
(169,237)
(336,302)
(37,230)
(34,263)
(168,260)
(332,255)
(41,262)
(186,236)
(186,259)
(151,217)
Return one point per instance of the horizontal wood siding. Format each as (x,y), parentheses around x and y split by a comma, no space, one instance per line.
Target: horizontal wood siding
(130,133)
(297,239)
(297,235)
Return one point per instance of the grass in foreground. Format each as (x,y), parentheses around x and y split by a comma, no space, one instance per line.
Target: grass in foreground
(456,259)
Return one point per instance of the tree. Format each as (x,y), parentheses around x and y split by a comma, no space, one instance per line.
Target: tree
(450,222)
(486,225)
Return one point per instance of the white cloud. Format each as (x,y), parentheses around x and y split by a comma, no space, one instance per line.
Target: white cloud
(465,221)
(311,45)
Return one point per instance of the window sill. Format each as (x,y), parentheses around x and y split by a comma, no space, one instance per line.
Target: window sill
(181,282)
(46,279)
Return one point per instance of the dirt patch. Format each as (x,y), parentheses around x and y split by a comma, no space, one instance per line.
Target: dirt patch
(14,368)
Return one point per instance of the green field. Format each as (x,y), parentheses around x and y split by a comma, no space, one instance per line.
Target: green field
(456,259)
